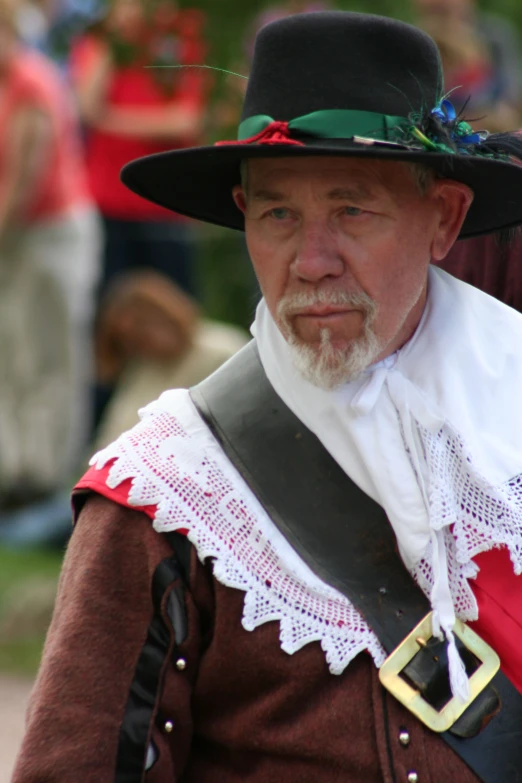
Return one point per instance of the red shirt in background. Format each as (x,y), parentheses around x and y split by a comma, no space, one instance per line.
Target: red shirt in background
(33,81)
(132,86)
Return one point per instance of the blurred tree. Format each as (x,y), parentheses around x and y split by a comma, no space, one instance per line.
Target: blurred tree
(228,19)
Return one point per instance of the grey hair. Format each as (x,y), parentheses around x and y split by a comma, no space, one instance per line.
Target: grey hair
(423,175)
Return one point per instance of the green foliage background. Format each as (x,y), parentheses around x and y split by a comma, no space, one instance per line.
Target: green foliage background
(227,19)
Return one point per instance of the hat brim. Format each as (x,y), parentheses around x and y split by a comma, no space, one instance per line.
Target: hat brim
(198,182)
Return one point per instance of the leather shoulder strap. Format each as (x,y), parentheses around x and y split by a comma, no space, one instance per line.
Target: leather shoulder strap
(341,533)
(326,517)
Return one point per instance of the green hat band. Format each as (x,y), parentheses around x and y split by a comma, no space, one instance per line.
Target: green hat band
(330,124)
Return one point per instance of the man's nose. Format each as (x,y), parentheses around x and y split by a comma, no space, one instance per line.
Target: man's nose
(317,255)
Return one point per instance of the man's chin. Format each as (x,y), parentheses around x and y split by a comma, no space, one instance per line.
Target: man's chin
(328,367)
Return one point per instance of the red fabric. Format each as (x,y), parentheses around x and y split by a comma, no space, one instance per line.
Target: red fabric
(96,481)
(274,133)
(131,87)
(33,81)
(500,609)
(493,268)
(496,587)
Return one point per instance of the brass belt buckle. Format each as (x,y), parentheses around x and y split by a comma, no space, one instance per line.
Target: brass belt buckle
(389,674)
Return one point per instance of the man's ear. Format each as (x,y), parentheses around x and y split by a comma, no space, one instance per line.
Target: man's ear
(238,194)
(453,200)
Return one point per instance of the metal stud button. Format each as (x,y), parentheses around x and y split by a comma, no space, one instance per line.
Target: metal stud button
(181,664)
(413,777)
(168,726)
(404,738)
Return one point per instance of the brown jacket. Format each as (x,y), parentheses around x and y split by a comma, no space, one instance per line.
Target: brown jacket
(223,706)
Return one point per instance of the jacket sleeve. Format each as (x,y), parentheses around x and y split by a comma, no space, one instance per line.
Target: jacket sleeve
(112,696)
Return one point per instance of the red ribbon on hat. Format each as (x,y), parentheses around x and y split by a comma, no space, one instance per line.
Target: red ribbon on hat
(275,133)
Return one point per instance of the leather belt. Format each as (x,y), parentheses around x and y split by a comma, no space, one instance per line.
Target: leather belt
(345,537)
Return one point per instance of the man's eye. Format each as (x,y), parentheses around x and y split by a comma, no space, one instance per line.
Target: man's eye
(279,213)
(352,211)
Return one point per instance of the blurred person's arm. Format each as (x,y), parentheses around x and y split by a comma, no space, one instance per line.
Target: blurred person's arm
(169,122)
(27,143)
(92,71)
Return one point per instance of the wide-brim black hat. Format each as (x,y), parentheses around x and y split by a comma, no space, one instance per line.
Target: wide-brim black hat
(341,84)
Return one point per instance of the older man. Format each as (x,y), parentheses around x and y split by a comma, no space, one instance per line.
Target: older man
(264,626)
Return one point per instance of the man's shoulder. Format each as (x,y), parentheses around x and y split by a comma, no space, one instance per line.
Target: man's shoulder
(162,460)
(172,419)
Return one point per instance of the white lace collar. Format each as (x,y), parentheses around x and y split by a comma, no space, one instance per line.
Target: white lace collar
(174,463)
(459,377)
(433,433)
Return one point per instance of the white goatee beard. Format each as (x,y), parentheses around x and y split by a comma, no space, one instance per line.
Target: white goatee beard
(324,365)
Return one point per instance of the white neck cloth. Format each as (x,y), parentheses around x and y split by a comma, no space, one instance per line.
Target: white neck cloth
(431,433)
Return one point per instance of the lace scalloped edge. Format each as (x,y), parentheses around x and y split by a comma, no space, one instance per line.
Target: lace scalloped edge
(342,637)
(482,516)
(341,643)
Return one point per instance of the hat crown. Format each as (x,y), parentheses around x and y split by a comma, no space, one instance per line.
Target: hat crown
(342,60)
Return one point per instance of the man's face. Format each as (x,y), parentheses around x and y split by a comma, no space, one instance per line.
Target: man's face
(341,248)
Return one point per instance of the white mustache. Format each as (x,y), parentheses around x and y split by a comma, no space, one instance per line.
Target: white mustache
(293,303)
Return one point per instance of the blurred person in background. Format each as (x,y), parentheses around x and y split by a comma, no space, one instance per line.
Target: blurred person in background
(151,337)
(129,110)
(480,56)
(50,25)
(49,261)
(34,18)
(491,263)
